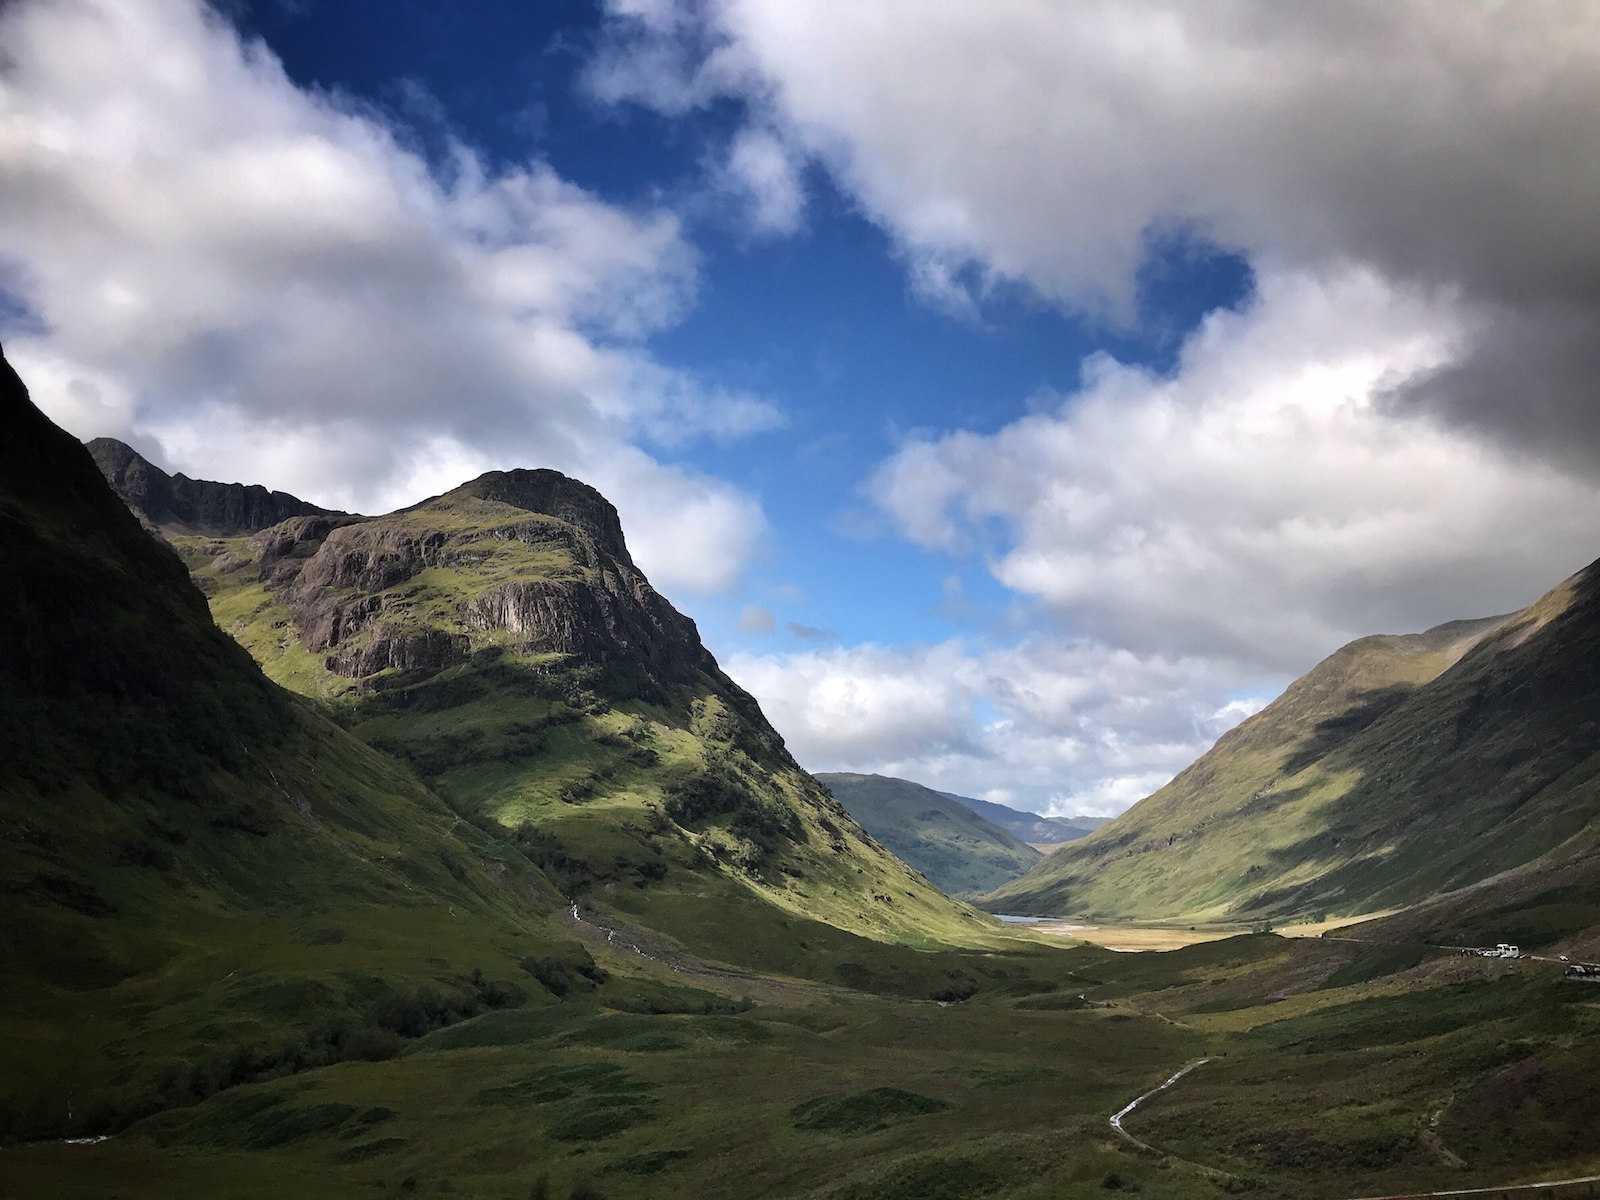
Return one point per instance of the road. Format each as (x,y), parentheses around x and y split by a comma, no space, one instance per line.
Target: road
(1116,1124)
(1505,1189)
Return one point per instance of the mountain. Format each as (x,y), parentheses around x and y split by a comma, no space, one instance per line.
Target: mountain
(501,641)
(202,875)
(210,880)
(268,961)
(176,504)
(953,846)
(1030,827)
(1398,769)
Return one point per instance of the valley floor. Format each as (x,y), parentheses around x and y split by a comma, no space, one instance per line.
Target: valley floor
(1135,937)
(1333,1069)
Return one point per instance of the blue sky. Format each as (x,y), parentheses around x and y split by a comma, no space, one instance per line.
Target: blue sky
(822,321)
(1017,397)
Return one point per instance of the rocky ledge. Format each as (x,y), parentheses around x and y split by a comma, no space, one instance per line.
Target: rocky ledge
(423,588)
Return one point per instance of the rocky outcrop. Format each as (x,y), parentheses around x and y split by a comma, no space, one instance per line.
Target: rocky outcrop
(430,650)
(283,550)
(180,505)
(345,585)
(597,623)
(556,495)
(348,582)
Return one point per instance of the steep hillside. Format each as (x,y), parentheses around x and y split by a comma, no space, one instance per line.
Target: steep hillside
(1549,905)
(204,880)
(176,504)
(273,964)
(949,843)
(1398,768)
(1030,827)
(500,639)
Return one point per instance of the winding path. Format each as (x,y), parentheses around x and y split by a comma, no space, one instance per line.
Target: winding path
(1116,1124)
(1505,1189)
(1116,1120)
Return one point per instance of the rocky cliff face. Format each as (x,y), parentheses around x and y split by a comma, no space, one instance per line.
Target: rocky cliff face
(178,504)
(527,561)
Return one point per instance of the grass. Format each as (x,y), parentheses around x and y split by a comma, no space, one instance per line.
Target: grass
(1397,769)
(1325,1092)
(863,1112)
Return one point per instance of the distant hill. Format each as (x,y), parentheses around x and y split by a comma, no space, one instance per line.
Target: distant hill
(952,845)
(1399,769)
(176,504)
(1027,826)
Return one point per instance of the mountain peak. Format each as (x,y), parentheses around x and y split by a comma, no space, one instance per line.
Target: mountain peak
(553,494)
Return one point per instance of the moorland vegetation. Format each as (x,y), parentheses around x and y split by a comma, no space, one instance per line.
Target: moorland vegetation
(431,854)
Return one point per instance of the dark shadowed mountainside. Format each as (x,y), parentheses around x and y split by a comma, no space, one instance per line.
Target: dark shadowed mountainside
(201,874)
(953,846)
(176,504)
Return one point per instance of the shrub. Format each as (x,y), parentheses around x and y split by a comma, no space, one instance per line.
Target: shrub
(862,1112)
(560,977)
(961,989)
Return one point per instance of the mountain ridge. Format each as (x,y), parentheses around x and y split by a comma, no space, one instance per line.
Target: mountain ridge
(1030,827)
(178,504)
(1401,767)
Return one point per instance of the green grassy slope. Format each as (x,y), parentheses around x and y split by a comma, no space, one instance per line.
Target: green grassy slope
(1397,768)
(953,846)
(500,640)
(203,879)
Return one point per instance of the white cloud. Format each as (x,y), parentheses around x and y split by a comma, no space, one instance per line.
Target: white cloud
(1206,535)
(1385,439)
(1454,141)
(272,286)
(1442,145)
(1261,505)
(764,172)
(1053,726)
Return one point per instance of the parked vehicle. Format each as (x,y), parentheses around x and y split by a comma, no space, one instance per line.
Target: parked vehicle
(1501,950)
